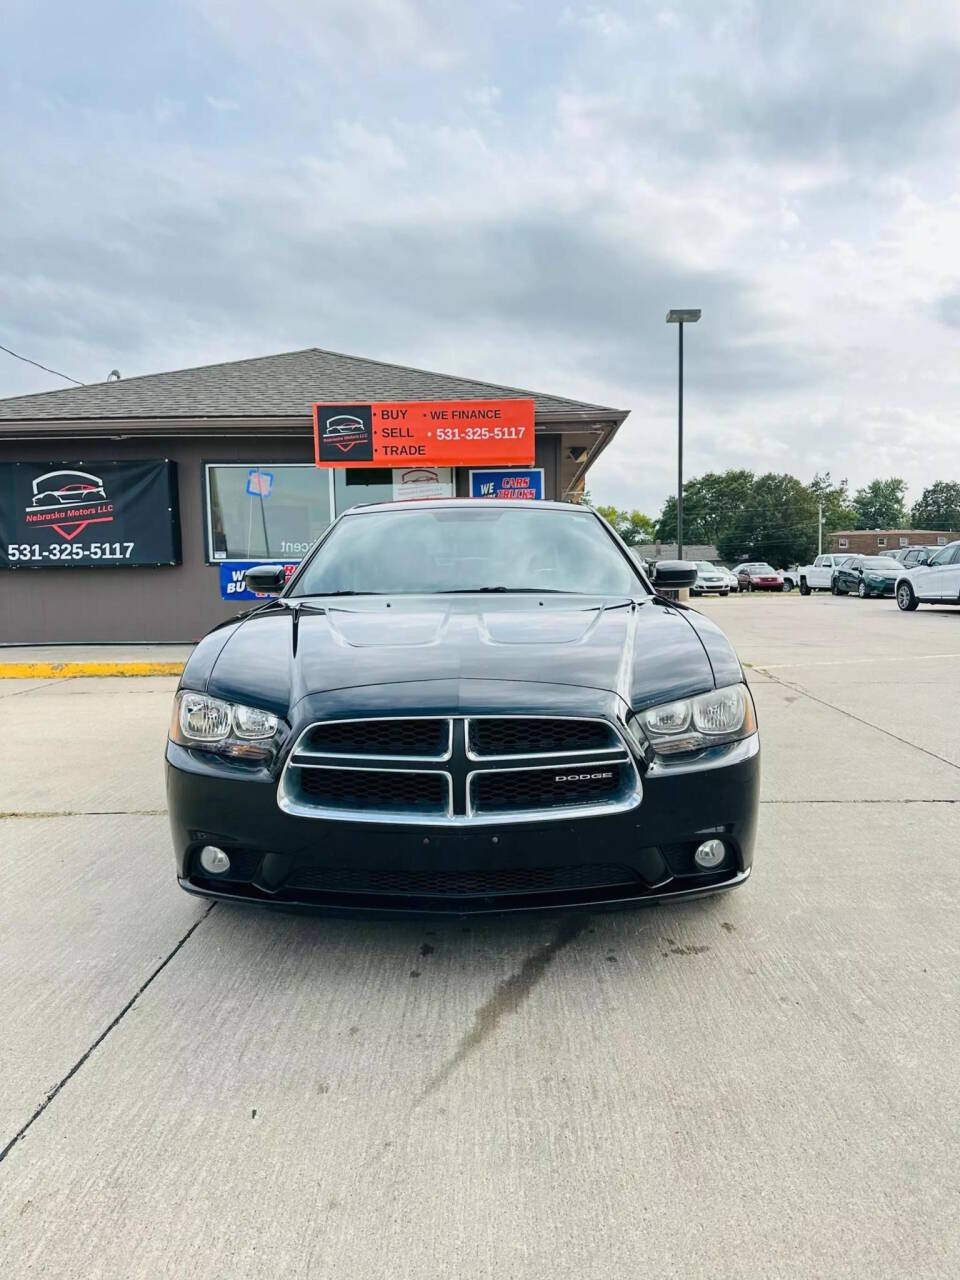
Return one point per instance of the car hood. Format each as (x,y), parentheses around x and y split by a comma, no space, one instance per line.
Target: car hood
(644,651)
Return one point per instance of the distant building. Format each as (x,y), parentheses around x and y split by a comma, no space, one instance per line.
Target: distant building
(668,551)
(875,541)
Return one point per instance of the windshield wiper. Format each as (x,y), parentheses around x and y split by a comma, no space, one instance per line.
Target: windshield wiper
(321,594)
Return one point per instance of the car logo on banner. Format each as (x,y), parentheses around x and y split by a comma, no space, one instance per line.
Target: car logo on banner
(68,501)
(348,433)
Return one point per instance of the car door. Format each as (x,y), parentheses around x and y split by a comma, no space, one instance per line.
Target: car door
(947,568)
(847,574)
(929,579)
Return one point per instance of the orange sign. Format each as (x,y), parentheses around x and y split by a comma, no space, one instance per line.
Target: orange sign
(434,433)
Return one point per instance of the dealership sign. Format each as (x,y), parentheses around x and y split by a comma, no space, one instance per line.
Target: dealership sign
(518,485)
(79,513)
(424,433)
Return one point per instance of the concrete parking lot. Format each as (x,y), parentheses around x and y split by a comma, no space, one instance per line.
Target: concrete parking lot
(759,1085)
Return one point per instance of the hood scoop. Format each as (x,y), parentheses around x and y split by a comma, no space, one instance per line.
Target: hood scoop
(386,626)
(540,626)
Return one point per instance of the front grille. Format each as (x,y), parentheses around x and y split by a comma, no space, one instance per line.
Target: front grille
(537,735)
(413,738)
(375,790)
(356,770)
(452,883)
(558,787)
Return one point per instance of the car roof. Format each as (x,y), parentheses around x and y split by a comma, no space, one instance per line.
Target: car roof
(445,504)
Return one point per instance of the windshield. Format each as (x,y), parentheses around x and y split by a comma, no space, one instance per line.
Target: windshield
(705,566)
(762,568)
(880,562)
(446,549)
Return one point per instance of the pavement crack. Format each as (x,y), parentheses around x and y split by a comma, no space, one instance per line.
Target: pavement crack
(820,800)
(786,684)
(507,997)
(57,1088)
(82,813)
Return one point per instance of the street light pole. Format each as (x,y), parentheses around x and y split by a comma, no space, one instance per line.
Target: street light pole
(680,318)
(680,440)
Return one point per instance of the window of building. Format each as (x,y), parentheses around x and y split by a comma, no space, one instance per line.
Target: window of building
(841,542)
(904,542)
(265,511)
(941,542)
(881,542)
(276,511)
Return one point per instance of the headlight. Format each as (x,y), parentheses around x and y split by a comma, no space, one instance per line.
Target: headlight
(203,719)
(226,727)
(691,724)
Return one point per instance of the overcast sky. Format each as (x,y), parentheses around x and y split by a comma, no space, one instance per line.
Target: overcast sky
(515,192)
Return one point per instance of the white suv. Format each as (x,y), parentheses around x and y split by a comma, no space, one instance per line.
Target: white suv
(935,580)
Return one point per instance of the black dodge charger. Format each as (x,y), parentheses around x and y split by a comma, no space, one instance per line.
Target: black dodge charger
(464,706)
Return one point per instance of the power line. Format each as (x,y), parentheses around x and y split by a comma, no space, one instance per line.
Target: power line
(26,359)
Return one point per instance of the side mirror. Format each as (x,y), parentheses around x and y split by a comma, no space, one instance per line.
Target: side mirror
(924,559)
(265,578)
(674,574)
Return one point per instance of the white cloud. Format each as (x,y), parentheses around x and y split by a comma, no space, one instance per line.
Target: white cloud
(500,193)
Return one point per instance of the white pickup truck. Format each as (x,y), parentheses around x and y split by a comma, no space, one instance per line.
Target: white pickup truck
(819,575)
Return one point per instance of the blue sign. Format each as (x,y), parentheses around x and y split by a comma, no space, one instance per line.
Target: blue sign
(232,585)
(522,484)
(259,483)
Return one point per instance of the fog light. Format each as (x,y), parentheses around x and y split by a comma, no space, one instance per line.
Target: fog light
(214,860)
(708,855)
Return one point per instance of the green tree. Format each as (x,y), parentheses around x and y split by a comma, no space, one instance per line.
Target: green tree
(777,524)
(938,507)
(711,503)
(838,510)
(881,504)
(633,526)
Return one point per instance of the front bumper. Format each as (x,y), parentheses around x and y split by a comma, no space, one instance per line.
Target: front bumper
(642,855)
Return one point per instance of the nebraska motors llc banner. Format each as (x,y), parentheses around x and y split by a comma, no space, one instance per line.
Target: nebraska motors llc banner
(104,514)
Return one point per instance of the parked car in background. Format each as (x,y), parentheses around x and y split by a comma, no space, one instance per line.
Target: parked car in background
(729,577)
(866,576)
(934,580)
(758,576)
(791,578)
(819,575)
(910,557)
(710,580)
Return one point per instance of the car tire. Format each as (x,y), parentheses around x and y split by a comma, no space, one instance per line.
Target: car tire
(804,587)
(862,591)
(834,589)
(906,600)
(724,593)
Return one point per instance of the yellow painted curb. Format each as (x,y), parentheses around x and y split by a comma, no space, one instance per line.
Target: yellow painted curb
(69,670)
